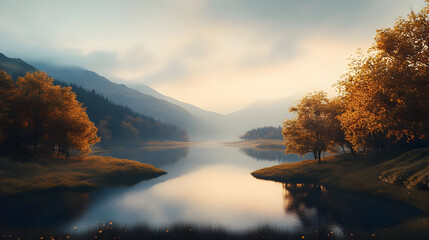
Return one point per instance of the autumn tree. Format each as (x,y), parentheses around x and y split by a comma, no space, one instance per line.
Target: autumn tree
(386,90)
(47,117)
(311,131)
(335,109)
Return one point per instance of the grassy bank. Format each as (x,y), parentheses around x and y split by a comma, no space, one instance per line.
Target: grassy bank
(76,173)
(364,174)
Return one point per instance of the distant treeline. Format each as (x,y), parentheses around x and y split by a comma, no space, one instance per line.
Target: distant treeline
(263,133)
(119,124)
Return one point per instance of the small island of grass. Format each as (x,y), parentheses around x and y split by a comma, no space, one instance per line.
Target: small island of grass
(77,173)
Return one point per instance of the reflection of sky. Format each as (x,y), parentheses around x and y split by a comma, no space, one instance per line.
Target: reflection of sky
(274,155)
(210,186)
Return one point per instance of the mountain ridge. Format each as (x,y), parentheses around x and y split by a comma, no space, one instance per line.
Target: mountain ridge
(200,124)
(120,94)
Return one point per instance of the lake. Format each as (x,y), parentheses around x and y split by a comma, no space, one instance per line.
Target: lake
(207,184)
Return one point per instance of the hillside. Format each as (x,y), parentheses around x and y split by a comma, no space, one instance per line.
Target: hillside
(15,66)
(201,113)
(122,95)
(117,124)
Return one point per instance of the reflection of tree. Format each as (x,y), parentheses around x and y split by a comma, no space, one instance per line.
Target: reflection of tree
(317,207)
(155,157)
(41,210)
(271,155)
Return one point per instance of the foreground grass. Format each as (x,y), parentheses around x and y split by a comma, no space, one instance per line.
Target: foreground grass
(362,174)
(416,229)
(75,173)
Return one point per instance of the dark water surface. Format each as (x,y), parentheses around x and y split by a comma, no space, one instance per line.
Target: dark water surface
(206,184)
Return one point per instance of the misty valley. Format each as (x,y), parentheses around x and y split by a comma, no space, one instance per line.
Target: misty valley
(231,120)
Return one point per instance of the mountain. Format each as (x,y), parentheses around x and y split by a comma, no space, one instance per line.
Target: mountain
(231,126)
(120,94)
(118,125)
(200,124)
(263,113)
(203,114)
(15,66)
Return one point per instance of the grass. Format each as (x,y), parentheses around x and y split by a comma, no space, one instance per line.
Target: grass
(416,229)
(410,169)
(76,173)
(362,174)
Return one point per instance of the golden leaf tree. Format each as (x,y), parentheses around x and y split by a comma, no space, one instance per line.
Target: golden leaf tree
(386,90)
(314,129)
(47,117)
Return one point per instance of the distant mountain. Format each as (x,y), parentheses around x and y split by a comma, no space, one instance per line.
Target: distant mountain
(203,114)
(263,113)
(120,94)
(118,125)
(231,126)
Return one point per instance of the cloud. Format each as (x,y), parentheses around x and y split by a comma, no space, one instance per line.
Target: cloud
(220,54)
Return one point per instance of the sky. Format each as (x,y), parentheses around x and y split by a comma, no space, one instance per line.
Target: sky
(220,55)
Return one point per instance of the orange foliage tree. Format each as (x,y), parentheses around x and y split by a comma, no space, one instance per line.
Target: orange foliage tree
(316,128)
(48,117)
(386,90)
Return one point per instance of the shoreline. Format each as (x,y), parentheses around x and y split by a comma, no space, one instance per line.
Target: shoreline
(259,144)
(77,173)
(350,173)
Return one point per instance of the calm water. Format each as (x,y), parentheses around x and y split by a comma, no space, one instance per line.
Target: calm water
(207,184)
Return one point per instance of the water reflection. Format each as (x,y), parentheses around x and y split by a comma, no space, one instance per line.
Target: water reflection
(42,210)
(208,185)
(272,155)
(325,209)
(158,158)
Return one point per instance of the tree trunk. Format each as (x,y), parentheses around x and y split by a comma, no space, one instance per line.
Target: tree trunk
(320,156)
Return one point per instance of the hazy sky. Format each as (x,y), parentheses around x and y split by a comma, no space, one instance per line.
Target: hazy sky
(220,55)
